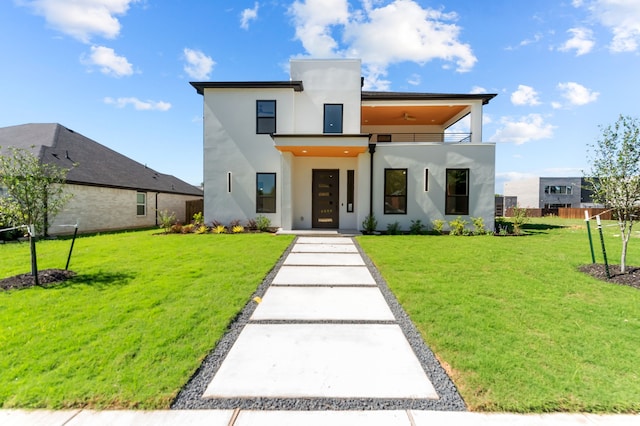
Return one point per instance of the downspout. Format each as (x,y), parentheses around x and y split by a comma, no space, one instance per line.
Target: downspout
(372,150)
(157,193)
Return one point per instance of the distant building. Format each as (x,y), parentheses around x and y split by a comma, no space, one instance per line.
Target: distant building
(550,192)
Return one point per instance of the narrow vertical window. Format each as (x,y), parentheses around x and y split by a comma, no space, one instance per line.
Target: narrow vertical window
(457,201)
(350,190)
(229,182)
(265,192)
(141,204)
(395,191)
(426,180)
(265,117)
(333,118)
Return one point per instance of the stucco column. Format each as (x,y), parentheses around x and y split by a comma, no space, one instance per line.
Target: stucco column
(286,193)
(476,122)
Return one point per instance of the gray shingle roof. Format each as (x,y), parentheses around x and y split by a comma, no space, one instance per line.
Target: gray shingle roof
(96,164)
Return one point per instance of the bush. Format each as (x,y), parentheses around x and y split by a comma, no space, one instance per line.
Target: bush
(176,228)
(237,229)
(393,228)
(503,226)
(167,219)
(252,225)
(220,229)
(202,229)
(263,223)
(198,219)
(417,227)
(187,229)
(234,222)
(369,224)
(215,223)
(438,226)
(478,225)
(519,219)
(457,225)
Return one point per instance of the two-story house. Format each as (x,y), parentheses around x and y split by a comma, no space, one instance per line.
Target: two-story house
(318,152)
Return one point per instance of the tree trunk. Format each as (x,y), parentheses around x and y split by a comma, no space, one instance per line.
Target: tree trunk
(34,258)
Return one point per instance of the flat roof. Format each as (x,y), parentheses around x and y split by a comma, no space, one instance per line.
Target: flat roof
(201,85)
(395,96)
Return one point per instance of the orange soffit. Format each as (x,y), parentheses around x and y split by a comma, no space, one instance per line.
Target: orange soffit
(323,151)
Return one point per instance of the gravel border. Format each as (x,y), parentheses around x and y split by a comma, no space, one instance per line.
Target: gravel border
(190,397)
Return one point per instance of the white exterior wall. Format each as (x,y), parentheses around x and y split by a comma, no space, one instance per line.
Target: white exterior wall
(97,208)
(430,205)
(232,145)
(526,190)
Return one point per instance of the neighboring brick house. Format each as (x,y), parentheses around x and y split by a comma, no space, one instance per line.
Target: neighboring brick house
(110,191)
(318,152)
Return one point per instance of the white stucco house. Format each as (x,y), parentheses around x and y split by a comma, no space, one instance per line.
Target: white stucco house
(318,152)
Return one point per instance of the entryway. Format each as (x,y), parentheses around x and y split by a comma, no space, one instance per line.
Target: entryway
(325,198)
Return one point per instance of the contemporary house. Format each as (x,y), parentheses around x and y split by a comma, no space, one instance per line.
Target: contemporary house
(318,152)
(550,192)
(110,191)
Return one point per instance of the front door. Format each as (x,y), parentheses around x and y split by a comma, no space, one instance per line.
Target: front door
(325,198)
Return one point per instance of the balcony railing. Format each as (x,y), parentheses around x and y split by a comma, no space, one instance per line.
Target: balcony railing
(422,137)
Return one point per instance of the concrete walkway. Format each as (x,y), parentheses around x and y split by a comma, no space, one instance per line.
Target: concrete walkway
(324,344)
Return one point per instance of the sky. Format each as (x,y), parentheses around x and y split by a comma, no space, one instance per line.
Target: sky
(118,71)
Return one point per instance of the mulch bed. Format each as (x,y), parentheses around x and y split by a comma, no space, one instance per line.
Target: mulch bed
(630,278)
(46,278)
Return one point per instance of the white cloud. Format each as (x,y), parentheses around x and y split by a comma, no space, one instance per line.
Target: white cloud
(622,17)
(415,79)
(138,104)
(198,65)
(528,128)
(108,61)
(476,90)
(381,35)
(577,94)
(82,19)
(248,15)
(581,41)
(525,95)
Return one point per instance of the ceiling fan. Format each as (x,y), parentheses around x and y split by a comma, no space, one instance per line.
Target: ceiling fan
(408,117)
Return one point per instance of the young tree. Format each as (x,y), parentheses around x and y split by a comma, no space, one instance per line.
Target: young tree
(615,175)
(34,188)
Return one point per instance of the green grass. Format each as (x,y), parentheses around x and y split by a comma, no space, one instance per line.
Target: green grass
(518,327)
(133,326)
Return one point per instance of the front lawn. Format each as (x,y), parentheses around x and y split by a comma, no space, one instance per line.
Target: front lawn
(135,323)
(516,324)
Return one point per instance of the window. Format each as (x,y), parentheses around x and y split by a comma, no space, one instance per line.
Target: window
(265,193)
(265,117)
(350,190)
(333,118)
(457,201)
(395,191)
(558,189)
(141,206)
(229,180)
(426,180)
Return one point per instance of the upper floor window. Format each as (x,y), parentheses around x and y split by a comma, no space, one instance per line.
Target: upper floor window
(141,204)
(558,189)
(457,201)
(332,118)
(265,117)
(395,191)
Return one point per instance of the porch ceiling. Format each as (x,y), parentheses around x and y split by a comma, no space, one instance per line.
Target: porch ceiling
(323,151)
(405,115)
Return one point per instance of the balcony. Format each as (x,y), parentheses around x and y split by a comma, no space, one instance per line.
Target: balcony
(422,137)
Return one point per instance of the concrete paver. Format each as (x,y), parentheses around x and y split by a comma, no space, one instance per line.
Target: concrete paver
(322,418)
(324,248)
(36,417)
(321,259)
(323,303)
(323,275)
(152,418)
(321,360)
(324,240)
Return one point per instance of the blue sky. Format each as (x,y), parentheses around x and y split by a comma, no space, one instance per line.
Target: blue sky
(117,71)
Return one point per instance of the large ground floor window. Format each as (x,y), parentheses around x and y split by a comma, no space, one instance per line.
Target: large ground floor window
(457,185)
(395,191)
(265,192)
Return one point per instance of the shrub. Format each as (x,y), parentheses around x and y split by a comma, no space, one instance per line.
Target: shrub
(393,228)
(202,229)
(187,229)
(237,229)
(220,229)
(369,224)
(478,225)
(519,219)
(176,228)
(215,223)
(252,225)
(198,218)
(457,226)
(263,223)
(417,227)
(167,219)
(438,225)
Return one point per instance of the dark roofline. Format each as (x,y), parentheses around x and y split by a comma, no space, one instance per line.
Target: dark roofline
(197,191)
(201,85)
(409,96)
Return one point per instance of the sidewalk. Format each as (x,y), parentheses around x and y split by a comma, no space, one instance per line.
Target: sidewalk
(325,343)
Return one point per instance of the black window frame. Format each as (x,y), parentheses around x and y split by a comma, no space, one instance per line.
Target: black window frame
(395,203)
(457,203)
(426,180)
(329,122)
(260,198)
(266,117)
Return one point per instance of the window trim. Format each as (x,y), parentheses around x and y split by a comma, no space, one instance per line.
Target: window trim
(274,118)
(325,127)
(451,197)
(406,190)
(262,197)
(143,204)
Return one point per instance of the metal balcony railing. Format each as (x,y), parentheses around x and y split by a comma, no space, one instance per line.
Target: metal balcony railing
(422,137)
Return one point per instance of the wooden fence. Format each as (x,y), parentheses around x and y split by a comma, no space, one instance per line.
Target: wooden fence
(566,213)
(192,207)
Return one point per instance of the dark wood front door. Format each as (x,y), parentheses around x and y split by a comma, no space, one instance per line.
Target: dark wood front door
(325,198)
